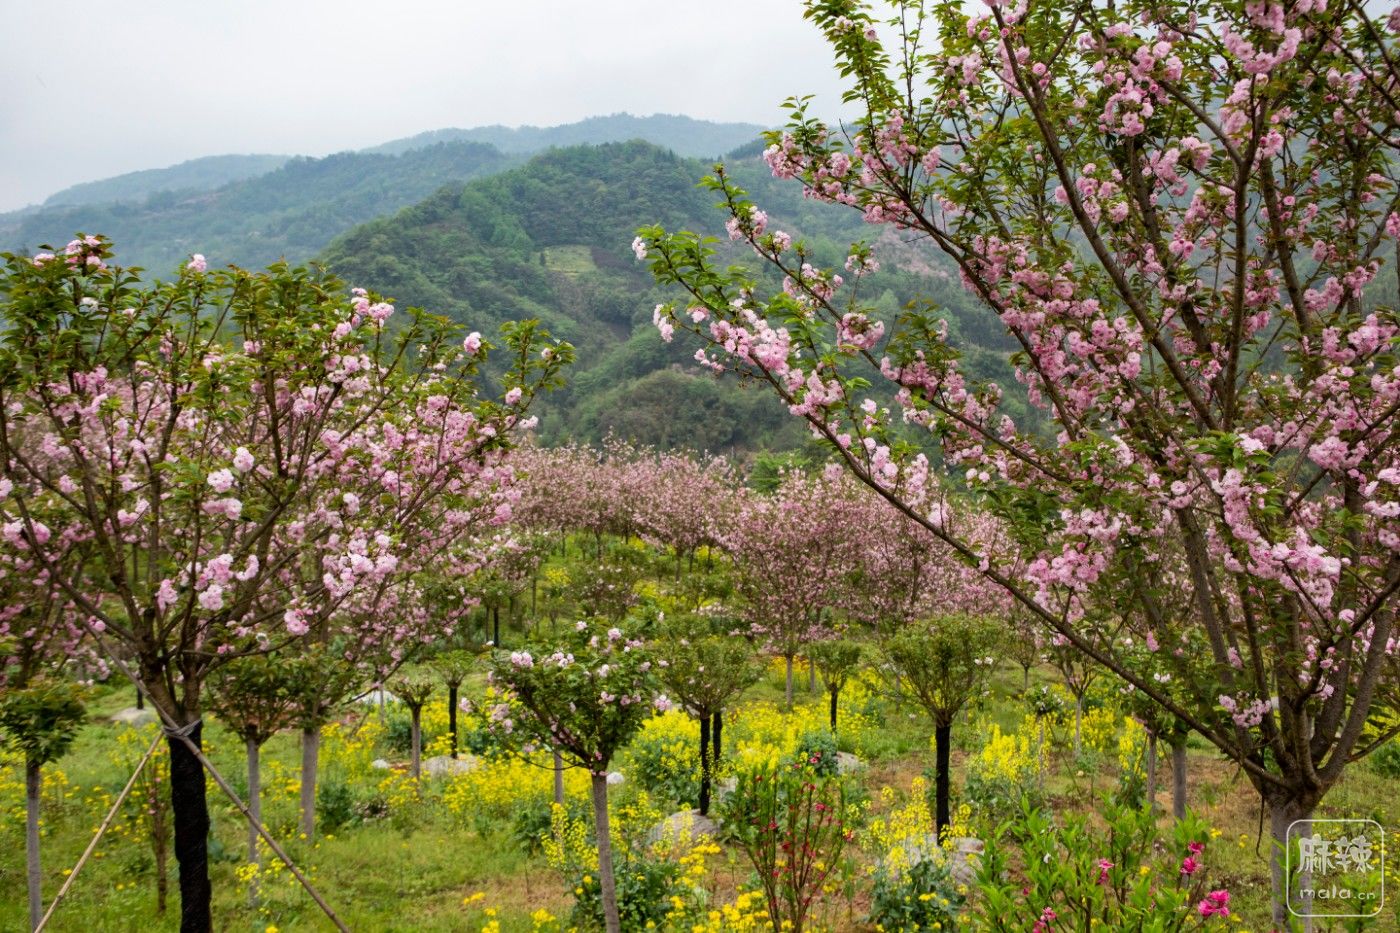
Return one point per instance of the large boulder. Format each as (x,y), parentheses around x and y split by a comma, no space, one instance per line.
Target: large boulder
(446,766)
(846,763)
(379,764)
(683,826)
(131,716)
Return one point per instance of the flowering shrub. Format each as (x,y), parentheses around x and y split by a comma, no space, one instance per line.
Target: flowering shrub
(924,896)
(791,823)
(1072,877)
(500,786)
(666,757)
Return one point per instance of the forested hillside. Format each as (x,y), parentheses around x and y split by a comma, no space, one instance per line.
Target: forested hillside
(204,174)
(550,240)
(684,135)
(291,212)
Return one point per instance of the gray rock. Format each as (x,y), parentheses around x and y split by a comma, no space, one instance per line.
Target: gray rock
(380,764)
(964,855)
(846,763)
(683,825)
(446,766)
(132,716)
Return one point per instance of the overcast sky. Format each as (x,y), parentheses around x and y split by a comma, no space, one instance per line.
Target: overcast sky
(93,91)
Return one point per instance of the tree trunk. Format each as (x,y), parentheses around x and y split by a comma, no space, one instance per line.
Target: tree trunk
(788,693)
(558,779)
(1040,758)
(32,785)
(1025,679)
(415,761)
(190,807)
(1283,814)
(496,626)
(942,736)
(310,752)
(140,699)
(606,880)
(254,808)
(1179,778)
(1150,767)
(1078,720)
(452,716)
(834,692)
(704,803)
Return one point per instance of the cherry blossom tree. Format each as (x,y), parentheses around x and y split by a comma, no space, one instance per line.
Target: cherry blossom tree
(585,698)
(235,459)
(1180,212)
(792,552)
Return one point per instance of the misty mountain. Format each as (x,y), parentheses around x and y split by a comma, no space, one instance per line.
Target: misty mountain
(204,174)
(683,135)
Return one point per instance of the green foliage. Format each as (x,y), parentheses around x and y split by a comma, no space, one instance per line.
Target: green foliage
(41,720)
(705,673)
(1386,759)
(817,751)
(792,825)
(1122,876)
(568,695)
(667,765)
(644,888)
(258,695)
(923,896)
(942,663)
(837,660)
(453,667)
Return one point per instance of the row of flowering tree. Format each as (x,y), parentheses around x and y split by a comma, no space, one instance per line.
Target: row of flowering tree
(1181,213)
(235,463)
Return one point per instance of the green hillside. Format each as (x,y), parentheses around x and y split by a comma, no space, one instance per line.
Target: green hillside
(551,240)
(681,134)
(291,212)
(204,174)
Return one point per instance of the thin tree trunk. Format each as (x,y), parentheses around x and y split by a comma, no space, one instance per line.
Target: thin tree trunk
(1040,759)
(606,880)
(715,729)
(1179,778)
(254,808)
(942,736)
(190,807)
(140,699)
(32,785)
(704,802)
(310,752)
(811,676)
(496,626)
(1078,720)
(415,767)
(788,692)
(1150,766)
(833,711)
(558,778)
(1025,679)
(1281,816)
(452,716)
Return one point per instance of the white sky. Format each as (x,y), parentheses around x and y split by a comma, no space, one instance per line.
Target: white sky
(95,90)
